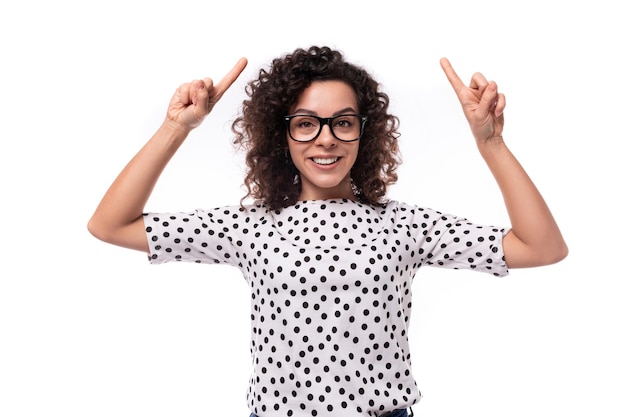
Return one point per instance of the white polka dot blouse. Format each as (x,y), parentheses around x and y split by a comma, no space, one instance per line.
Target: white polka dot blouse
(330,285)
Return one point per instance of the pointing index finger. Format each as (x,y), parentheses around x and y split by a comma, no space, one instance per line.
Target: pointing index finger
(230,78)
(453,78)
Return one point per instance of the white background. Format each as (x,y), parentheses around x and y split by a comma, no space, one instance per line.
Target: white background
(88,329)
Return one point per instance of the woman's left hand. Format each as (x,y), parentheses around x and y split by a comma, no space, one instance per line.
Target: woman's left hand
(482,105)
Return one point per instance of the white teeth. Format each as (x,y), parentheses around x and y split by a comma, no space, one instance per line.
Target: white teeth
(325,161)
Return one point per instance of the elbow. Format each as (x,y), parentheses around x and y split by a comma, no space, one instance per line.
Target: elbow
(561,252)
(519,254)
(557,249)
(98,230)
(92,227)
(555,254)
(130,236)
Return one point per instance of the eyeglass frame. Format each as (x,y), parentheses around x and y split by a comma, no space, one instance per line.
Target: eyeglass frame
(325,121)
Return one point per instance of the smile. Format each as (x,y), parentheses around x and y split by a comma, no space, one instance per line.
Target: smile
(325,161)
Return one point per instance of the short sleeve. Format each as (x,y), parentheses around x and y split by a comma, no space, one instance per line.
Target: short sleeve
(449,241)
(200,236)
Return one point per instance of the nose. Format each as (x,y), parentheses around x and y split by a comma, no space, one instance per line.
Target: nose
(326,137)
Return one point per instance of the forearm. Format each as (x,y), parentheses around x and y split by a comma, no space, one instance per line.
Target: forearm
(118,217)
(535,238)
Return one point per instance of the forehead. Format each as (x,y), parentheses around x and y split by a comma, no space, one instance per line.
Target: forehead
(327,96)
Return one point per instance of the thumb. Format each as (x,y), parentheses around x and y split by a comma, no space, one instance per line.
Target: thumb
(488,100)
(193,114)
(201,92)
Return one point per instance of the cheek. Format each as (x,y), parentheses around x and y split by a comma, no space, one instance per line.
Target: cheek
(354,152)
(291,149)
(294,154)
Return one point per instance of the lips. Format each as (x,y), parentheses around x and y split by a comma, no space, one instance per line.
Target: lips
(325,161)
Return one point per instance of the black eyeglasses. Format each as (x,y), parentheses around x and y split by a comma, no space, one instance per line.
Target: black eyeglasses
(306,127)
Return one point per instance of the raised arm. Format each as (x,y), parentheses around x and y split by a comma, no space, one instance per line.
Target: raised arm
(535,238)
(118,217)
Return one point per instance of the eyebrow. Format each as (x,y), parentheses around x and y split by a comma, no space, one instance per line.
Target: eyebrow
(337,113)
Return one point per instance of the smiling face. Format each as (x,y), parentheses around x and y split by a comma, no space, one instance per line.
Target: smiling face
(325,162)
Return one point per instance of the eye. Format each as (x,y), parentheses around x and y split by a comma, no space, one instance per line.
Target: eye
(345,122)
(304,122)
(303,125)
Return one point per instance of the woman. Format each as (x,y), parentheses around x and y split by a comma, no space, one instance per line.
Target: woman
(328,259)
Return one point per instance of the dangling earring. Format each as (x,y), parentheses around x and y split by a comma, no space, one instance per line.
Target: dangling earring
(296,179)
(355,189)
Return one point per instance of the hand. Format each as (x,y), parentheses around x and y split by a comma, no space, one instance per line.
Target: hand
(193,101)
(482,105)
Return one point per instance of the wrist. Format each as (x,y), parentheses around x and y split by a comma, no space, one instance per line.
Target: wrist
(491,146)
(174,129)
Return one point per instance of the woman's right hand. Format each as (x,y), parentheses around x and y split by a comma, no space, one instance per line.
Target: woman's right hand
(193,101)
(118,219)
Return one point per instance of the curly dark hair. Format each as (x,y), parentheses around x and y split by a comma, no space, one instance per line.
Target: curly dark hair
(260,129)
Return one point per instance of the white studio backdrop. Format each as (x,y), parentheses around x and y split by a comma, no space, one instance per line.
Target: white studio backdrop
(87,329)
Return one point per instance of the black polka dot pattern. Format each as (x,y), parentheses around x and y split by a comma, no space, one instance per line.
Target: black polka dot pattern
(330,285)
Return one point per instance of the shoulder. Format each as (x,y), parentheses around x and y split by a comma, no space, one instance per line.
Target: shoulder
(401,208)
(219,214)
